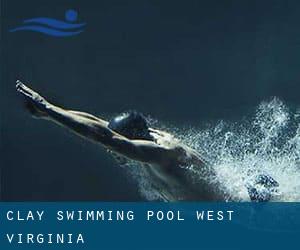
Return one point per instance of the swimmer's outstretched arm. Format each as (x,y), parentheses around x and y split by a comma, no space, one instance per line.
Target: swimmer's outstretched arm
(95,129)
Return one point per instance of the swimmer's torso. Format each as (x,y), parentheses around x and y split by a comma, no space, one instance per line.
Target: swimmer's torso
(181,183)
(178,179)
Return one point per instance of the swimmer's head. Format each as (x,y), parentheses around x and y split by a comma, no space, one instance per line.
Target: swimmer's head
(132,125)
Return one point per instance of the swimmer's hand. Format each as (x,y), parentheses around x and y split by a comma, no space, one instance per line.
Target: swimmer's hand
(35,103)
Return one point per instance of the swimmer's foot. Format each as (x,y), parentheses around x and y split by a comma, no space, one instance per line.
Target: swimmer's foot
(263,188)
(34,103)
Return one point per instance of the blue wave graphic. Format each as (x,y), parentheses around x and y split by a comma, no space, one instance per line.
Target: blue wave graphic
(53,23)
(47,31)
(55,27)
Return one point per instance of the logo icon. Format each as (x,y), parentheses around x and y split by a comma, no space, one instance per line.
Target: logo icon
(53,27)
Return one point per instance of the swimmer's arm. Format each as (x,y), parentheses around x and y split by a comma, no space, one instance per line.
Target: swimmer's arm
(96,129)
(34,100)
(87,115)
(83,124)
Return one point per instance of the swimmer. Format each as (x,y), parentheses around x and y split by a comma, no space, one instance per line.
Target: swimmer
(129,136)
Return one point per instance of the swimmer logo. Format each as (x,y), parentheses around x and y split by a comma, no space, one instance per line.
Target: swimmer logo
(53,27)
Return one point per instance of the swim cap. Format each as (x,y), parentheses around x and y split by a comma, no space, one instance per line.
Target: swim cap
(132,125)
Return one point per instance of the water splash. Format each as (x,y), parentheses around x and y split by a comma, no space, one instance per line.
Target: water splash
(267,142)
